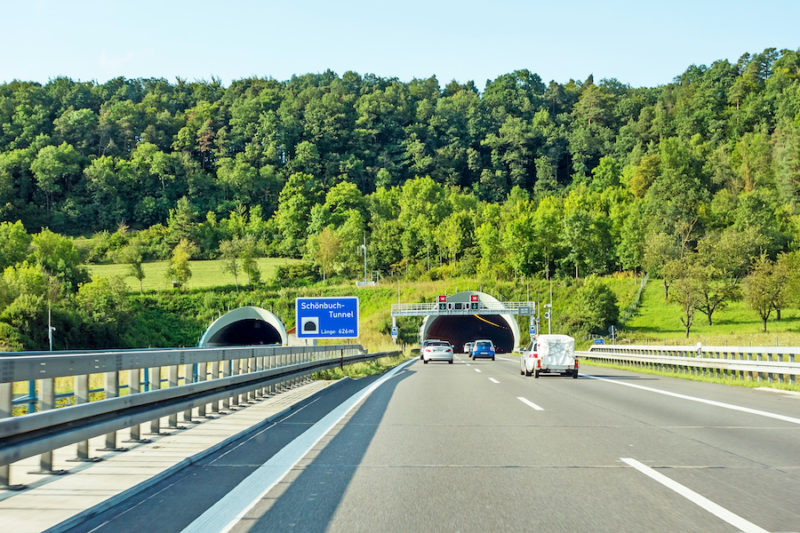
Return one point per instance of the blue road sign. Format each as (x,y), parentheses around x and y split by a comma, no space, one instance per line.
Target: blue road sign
(532,329)
(394,331)
(327,318)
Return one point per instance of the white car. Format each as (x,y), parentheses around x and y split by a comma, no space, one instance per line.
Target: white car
(437,351)
(549,354)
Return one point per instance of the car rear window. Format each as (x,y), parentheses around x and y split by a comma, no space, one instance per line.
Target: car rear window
(483,344)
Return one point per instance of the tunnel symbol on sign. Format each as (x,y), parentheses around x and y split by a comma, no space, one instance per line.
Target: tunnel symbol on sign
(311,324)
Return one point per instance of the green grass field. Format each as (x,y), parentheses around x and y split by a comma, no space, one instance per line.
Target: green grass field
(658,322)
(204,273)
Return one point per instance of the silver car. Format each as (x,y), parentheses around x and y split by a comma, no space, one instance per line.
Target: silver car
(437,351)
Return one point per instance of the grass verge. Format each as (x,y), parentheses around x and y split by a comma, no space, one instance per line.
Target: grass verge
(361,370)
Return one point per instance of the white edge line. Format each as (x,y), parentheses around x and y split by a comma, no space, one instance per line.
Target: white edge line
(269,474)
(717,510)
(724,405)
(529,403)
(493,380)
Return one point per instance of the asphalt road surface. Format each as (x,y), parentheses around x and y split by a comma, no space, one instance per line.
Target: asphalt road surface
(475,446)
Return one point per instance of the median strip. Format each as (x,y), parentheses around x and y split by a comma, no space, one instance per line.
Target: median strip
(717,510)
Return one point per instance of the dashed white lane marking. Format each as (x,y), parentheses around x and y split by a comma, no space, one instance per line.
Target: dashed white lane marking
(529,403)
(717,510)
(478,370)
(493,380)
(224,514)
(703,400)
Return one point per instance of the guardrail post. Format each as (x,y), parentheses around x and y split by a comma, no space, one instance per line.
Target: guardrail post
(791,376)
(201,376)
(155,384)
(770,375)
(47,401)
(172,373)
(247,368)
(187,379)
(226,371)
(81,397)
(111,387)
(236,370)
(6,397)
(215,375)
(270,365)
(135,387)
(259,392)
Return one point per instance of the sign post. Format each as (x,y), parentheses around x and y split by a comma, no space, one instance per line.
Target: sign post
(327,318)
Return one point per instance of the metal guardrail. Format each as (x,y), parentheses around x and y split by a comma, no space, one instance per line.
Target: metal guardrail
(748,363)
(215,377)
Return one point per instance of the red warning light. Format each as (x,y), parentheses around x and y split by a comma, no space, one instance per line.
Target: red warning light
(442,298)
(473,298)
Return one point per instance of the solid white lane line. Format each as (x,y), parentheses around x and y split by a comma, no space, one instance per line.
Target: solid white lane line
(529,403)
(224,514)
(717,510)
(702,400)
(493,380)
(478,370)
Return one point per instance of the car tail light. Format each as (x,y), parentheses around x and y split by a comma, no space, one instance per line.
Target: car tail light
(576,364)
(538,363)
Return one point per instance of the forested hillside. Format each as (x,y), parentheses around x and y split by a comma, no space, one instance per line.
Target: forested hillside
(518,179)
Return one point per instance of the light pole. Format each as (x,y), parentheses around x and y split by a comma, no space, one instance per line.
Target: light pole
(363,249)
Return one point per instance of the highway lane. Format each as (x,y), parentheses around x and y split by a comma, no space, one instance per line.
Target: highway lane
(453,447)
(475,446)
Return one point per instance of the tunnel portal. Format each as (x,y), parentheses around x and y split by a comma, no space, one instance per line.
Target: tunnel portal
(247,332)
(458,330)
(245,326)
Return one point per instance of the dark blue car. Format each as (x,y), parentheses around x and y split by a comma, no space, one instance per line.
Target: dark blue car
(483,348)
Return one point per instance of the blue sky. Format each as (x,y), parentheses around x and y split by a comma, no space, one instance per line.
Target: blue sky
(638,42)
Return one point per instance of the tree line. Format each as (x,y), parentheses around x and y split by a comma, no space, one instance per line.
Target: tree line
(523,178)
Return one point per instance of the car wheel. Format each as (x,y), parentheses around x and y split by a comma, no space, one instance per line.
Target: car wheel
(521,372)
(425,361)
(450,361)
(575,374)
(536,374)
(492,358)
(527,373)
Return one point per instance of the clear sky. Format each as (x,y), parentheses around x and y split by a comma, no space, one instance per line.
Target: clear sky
(641,43)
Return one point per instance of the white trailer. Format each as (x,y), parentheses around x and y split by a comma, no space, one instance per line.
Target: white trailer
(549,354)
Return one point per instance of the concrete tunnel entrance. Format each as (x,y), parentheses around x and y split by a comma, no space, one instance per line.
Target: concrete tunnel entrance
(245,326)
(458,330)
(458,325)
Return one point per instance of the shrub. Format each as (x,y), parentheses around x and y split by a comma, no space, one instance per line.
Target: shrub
(593,309)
